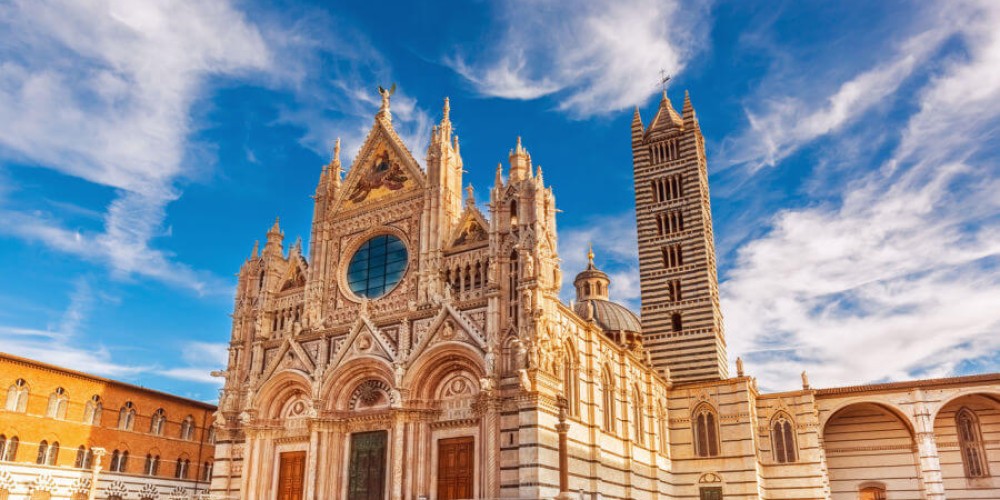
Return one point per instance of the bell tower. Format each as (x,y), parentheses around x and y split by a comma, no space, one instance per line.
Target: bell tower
(681,318)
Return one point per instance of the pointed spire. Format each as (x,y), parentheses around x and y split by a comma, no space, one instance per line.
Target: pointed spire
(538,176)
(667,111)
(637,127)
(499,178)
(690,119)
(590,255)
(456,147)
(446,111)
(470,199)
(276,228)
(256,249)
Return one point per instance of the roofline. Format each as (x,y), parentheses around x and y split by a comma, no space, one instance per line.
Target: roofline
(47,366)
(910,384)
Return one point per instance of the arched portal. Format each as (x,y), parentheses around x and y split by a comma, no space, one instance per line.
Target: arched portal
(868,442)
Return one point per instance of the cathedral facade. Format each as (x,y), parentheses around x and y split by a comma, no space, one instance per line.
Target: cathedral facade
(421,351)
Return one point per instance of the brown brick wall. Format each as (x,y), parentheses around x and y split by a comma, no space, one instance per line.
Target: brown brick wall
(33,426)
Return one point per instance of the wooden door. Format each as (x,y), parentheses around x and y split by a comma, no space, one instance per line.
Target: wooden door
(291,475)
(872,494)
(455,468)
(366,472)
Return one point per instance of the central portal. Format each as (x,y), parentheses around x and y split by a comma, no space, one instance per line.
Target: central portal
(366,476)
(455,468)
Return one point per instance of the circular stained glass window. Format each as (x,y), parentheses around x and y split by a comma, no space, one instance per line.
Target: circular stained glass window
(377,266)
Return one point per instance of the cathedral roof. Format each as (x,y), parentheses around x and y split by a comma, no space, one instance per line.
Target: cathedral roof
(610,316)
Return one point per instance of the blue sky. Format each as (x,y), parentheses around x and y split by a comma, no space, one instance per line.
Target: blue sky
(852,146)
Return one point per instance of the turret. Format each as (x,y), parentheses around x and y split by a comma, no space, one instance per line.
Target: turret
(274,240)
(520,163)
(591,283)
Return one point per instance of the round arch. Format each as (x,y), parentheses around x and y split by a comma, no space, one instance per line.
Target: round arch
(276,391)
(891,407)
(427,372)
(340,384)
(991,395)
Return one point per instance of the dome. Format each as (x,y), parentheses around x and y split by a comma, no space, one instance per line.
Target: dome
(611,317)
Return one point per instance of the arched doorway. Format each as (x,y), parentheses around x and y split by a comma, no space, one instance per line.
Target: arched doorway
(965,430)
(868,442)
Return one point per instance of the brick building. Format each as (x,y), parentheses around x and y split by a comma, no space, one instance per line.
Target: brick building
(52,421)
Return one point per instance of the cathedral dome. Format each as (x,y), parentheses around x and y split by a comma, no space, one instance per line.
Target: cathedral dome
(593,301)
(611,317)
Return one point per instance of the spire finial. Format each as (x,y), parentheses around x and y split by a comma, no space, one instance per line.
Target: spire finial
(447,110)
(256,249)
(590,254)
(469,199)
(336,150)
(276,228)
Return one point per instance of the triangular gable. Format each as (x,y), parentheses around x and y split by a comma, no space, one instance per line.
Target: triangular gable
(471,229)
(295,274)
(475,336)
(382,167)
(281,357)
(363,328)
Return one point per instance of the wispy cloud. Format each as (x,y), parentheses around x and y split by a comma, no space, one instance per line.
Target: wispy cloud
(102,91)
(596,57)
(898,277)
(200,359)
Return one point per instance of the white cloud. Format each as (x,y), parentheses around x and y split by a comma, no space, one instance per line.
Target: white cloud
(900,277)
(102,91)
(598,57)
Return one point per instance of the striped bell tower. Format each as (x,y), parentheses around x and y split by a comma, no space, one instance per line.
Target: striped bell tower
(681,318)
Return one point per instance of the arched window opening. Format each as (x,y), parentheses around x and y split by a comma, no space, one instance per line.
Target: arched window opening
(17,396)
(970,440)
(638,416)
(92,411)
(180,472)
(206,471)
(608,400)
(675,321)
(82,458)
(571,382)
(513,213)
(8,448)
(187,428)
(43,449)
(152,464)
(58,401)
(157,422)
(126,417)
(211,435)
(783,439)
(705,427)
